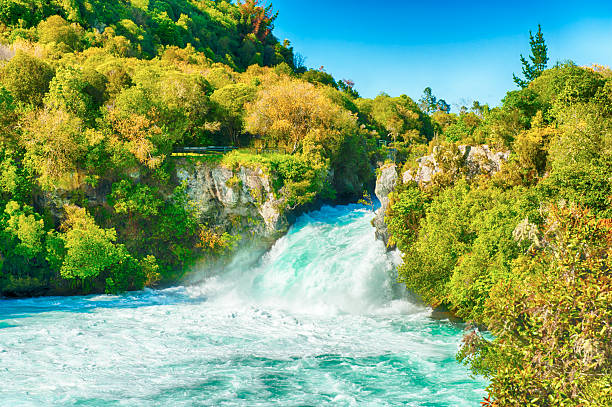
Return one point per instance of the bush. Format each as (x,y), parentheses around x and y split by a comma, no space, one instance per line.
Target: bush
(58,31)
(299,116)
(407,208)
(92,255)
(551,319)
(457,246)
(27,78)
(588,185)
(30,253)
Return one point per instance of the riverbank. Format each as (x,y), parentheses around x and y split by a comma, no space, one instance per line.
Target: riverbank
(316,321)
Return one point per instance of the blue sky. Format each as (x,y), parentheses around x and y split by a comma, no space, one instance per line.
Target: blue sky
(465,51)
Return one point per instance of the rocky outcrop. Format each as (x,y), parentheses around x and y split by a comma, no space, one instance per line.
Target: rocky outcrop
(6,53)
(465,161)
(458,162)
(385,184)
(240,202)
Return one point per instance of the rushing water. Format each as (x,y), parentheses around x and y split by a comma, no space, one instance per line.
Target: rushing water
(316,322)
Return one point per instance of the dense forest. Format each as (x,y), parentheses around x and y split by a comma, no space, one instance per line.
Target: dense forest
(97,97)
(526,252)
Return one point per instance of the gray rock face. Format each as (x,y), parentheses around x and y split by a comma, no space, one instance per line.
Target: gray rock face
(481,160)
(385,184)
(461,161)
(466,160)
(239,202)
(6,53)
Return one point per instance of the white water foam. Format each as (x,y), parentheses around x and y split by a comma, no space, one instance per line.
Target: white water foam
(316,322)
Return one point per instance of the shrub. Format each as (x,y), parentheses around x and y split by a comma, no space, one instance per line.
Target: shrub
(27,78)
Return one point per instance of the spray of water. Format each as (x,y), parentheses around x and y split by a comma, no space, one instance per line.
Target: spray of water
(328,264)
(316,321)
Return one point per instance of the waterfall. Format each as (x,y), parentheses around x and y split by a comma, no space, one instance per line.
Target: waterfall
(318,320)
(328,263)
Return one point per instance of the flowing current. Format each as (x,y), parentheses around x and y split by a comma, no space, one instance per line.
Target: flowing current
(317,321)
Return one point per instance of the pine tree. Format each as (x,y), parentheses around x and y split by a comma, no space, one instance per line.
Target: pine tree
(538,57)
(428,102)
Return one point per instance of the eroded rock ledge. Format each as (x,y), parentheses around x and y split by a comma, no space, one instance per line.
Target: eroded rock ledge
(457,162)
(385,184)
(240,202)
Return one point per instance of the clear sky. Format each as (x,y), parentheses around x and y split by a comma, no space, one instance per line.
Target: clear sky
(464,50)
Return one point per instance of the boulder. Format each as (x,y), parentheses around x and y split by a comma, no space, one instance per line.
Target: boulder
(385,184)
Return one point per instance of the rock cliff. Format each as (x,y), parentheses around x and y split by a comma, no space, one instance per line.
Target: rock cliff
(457,162)
(465,161)
(240,202)
(385,184)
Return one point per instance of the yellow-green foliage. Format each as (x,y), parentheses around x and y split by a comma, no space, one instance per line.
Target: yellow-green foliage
(551,318)
(525,252)
(234,182)
(399,116)
(297,115)
(298,178)
(222,30)
(27,78)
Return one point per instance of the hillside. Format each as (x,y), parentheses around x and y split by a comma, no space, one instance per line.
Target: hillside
(237,35)
(96,98)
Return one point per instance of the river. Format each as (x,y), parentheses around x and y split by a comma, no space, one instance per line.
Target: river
(317,321)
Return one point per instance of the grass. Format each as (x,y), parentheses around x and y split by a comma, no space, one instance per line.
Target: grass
(194,158)
(247,158)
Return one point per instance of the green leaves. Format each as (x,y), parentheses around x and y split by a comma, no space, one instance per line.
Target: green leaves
(92,252)
(538,58)
(56,30)
(407,207)
(154,225)
(551,319)
(67,92)
(27,228)
(135,199)
(458,244)
(27,78)
(586,184)
(29,252)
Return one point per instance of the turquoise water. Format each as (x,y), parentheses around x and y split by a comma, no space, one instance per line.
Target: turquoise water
(316,322)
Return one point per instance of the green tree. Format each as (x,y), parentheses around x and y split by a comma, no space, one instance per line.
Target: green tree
(297,115)
(551,319)
(56,143)
(348,86)
(30,254)
(431,104)
(319,76)
(407,208)
(27,78)
(67,91)
(442,106)
(232,100)
(538,58)
(57,30)
(8,117)
(92,255)
(428,102)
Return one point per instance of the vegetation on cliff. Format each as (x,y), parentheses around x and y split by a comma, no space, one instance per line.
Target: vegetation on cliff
(95,97)
(525,251)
